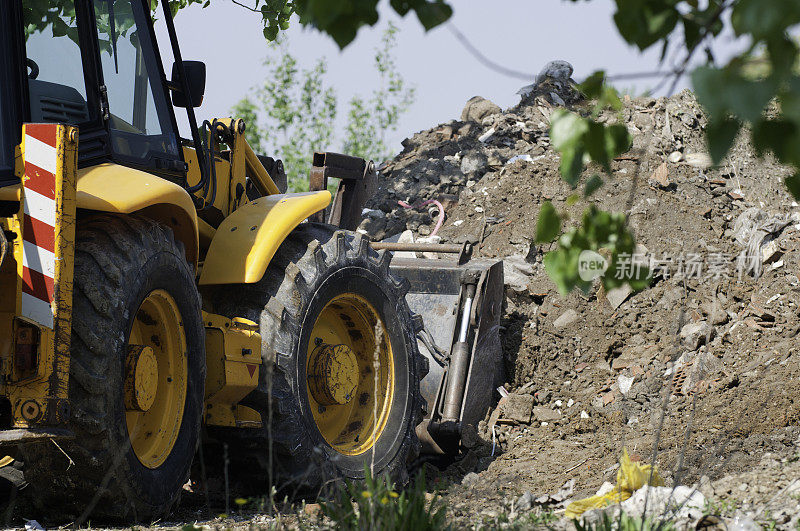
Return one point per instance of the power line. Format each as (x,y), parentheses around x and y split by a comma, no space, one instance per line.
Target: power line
(500,69)
(485,60)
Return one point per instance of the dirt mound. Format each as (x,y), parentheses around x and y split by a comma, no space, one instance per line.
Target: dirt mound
(703,363)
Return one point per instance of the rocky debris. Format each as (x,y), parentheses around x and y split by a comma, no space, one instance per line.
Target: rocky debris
(617,296)
(693,335)
(545,414)
(553,501)
(566,319)
(470,479)
(478,108)
(518,408)
(517,272)
(660,177)
(558,72)
(474,163)
(682,506)
(596,366)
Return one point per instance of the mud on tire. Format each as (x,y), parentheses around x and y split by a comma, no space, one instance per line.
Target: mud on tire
(315,263)
(118,262)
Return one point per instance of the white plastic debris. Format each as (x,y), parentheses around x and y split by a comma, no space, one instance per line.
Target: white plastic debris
(372,213)
(517,158)
(678,502)
(33,525)
(458,222)
(753,230)
(487,135)
(405,237)
(743,523)
(584,415)
(604,489)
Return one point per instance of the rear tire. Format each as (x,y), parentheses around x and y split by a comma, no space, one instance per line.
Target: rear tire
(317,271)
(128,272)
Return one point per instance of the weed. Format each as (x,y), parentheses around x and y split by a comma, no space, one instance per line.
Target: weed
(374,503)
(528,520)
(719,508)
(624,523)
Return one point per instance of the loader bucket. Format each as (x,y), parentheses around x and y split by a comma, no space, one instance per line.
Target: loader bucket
(460,303)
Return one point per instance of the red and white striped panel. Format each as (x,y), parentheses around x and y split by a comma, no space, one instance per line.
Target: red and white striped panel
(38,232)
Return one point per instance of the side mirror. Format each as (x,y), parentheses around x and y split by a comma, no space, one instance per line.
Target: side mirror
(196,81)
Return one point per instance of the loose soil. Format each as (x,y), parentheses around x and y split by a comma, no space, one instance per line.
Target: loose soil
(716,408)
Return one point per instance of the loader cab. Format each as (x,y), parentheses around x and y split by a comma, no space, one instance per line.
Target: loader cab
(94,64)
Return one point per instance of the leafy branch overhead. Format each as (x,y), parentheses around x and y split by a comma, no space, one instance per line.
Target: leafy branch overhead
(340,19)
(582,140)
(732,94)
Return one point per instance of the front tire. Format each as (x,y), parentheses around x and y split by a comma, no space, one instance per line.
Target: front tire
(137,373)
(330,313)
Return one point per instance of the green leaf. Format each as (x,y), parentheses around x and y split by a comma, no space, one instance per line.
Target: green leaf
(566,129)
(548,226)
(779,137)
(763,18)
(599,230)
(271,32)
(782,55)
(691,31)
(592,86)
(725,91)
(592,185)
(572,164)
(433,14)
(721,134)
(595,139)
(793,184)
(645,23)
(618,140)
(567,132)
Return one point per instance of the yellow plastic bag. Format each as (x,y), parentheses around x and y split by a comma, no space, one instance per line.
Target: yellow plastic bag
(631,476)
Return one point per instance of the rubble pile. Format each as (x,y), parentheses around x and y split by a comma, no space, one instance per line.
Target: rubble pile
(704,363)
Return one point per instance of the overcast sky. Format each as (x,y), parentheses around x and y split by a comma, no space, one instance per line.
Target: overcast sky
(520,34)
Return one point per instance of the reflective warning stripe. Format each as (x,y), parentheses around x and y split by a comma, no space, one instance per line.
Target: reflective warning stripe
(38,235)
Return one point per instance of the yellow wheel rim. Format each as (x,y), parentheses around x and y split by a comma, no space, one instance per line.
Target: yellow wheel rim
(156,372)
(350,374)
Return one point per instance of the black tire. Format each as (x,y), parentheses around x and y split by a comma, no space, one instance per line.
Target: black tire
(118,262)
(314,264)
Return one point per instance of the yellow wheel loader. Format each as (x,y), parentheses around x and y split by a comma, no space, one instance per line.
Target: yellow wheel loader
(153,288)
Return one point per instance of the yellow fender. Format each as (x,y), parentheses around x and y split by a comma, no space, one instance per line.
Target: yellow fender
(246,240)
(121,190)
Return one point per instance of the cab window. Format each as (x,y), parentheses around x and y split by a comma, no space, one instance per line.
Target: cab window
(56,82)
(140,122)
